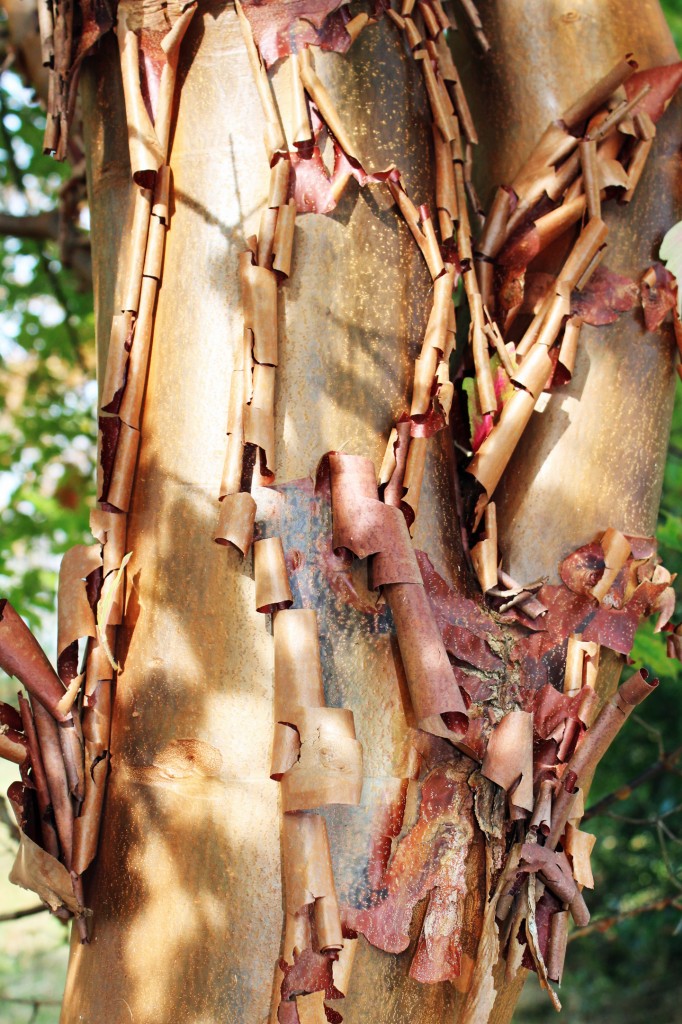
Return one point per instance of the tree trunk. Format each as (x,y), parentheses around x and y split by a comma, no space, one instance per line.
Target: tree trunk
(186,891)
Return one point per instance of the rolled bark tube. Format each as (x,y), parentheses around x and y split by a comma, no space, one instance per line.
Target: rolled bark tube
(22,656)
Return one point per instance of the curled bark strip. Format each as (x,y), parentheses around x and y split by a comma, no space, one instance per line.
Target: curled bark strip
(274,139)
(147,58)
(117,361)
(579,845)
(484,554)
(594,745)
(537,934)
(446,195)
(236,520)
(22,656)
(284,238)
(134,270)
(327,768)
(96,717)
(110,530)
(40,872)
(316,756)
(39,779)
(298,673)
(479,347)
(308,877)
(421,226)
(555,871)
(13,746)
(55,772)
(318,761)
(493,456)
(326,107)
(130,409)
(75,612)
(272,583)
(365,526)
(568,351)
(414,475)
(86,825)
(118,489)
(616,550)
(145,148)
(588,159)
(71,743)
(392,472)
(259,299)
(582,665)
(509,759)
(542,811)
(558,940)
(538,173)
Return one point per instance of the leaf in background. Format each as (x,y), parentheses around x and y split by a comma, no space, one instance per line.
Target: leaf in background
(671,254)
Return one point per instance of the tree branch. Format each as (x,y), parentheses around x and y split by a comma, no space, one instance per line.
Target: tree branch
(16,915)
(37,226)
(664,764)
(29,1002)
(604,923)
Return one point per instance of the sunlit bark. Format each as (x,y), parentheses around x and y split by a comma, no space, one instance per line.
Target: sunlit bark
(186,890)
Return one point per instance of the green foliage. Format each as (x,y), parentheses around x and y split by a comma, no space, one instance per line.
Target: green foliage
(47,429)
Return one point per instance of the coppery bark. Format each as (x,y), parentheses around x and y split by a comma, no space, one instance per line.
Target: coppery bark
(186,890)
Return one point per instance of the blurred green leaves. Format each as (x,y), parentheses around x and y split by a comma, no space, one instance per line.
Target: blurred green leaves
(47,391)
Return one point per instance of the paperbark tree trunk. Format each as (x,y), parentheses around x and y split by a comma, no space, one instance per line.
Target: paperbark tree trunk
(186,890)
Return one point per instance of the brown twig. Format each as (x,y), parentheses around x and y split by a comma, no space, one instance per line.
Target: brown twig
(664,764)
(604,923)
(16,915)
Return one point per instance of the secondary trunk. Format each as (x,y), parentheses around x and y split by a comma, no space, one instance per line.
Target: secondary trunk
(186,890)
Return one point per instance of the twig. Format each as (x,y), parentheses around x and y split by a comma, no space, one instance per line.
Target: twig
(664,764)
(15,915)
(29,1002)
(604,923)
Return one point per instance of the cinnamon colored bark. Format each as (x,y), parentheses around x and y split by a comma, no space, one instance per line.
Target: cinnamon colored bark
(186,889)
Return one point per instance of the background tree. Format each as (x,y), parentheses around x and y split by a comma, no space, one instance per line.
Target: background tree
(221,227)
